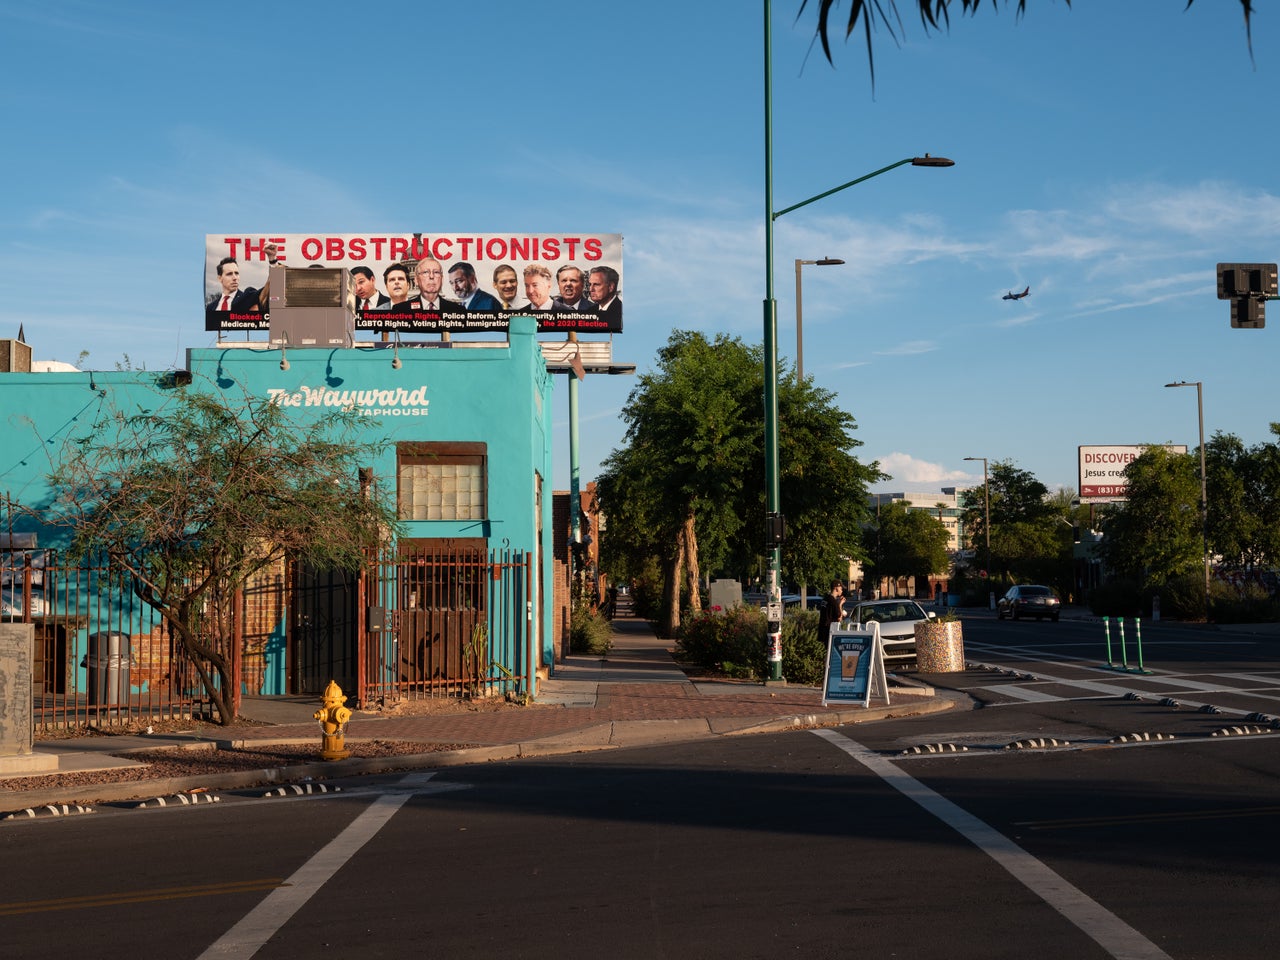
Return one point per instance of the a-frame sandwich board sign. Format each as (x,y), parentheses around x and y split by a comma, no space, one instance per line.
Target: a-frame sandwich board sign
(855,666)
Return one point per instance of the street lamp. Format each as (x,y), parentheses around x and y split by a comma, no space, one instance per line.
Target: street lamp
(824,262)
(986,523)
(773,497)
(1204,485)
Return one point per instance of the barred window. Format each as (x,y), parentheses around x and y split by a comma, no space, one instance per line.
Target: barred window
(442,481)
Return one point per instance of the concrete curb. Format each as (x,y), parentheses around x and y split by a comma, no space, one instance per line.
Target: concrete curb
(610,735)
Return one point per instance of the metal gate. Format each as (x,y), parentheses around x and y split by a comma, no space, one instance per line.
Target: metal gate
(323,629)
(447,618)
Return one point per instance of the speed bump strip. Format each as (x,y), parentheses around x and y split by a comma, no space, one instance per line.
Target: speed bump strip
(51,810)
(935,748)
(1036,743)
(1239,731)
(185,799)
(299,790)
(1137,737)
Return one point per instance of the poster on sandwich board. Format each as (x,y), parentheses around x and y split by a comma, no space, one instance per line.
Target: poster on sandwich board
(855,666)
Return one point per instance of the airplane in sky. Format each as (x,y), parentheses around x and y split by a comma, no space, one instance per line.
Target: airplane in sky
(1016,296)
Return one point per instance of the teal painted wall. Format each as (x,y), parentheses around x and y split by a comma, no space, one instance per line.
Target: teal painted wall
(496,394)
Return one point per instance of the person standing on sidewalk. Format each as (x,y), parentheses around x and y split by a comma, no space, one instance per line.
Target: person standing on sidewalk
(832,611)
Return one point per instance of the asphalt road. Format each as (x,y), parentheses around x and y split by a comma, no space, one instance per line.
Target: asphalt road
(1031,831)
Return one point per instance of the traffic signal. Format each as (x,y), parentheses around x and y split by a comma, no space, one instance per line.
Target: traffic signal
(1247,280)
(1247,286)
(1249,313)
(775,531)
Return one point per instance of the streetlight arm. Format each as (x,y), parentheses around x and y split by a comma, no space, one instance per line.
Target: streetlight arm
(843,186)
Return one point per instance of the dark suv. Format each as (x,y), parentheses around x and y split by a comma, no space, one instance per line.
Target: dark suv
(1029,600)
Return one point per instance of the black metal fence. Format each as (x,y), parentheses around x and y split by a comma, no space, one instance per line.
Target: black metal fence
(426,623)
(101,656)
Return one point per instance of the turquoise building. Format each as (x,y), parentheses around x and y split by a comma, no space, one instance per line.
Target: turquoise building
(468,465)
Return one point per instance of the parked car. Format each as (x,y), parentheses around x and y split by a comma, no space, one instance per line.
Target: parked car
(1029,600)
(897,619)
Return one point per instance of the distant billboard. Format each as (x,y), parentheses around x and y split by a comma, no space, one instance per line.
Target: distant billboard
(1102,478)
(427,283)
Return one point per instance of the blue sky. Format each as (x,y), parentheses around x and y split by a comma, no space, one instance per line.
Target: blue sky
(1108,155)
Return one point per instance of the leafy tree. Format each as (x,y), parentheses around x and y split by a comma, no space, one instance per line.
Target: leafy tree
(1244,501)
(822,484)
(687,487)
(1025,542)
(909,543)
(1155,535)
(195,496)
(687,441)
(934,15)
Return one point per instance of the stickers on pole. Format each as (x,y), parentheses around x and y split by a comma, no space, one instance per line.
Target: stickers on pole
(855,666)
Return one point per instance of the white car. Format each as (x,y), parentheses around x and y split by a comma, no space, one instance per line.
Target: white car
(897,619)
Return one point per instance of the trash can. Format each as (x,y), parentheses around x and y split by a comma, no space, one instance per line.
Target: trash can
(939,647)
(109,664)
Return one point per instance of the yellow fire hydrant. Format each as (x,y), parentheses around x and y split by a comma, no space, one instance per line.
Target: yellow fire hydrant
(333,717)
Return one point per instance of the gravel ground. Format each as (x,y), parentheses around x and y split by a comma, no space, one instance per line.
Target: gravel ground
(165,762)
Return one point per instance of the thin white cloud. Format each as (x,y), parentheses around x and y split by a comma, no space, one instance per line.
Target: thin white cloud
(906,470)
(908,348)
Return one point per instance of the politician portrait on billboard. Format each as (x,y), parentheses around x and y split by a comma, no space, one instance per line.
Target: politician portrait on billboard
(426,283)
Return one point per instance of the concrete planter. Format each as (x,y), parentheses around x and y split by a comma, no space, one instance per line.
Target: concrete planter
(939,647)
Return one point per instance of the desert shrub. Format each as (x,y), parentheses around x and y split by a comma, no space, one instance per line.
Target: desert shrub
(589,631)
(804,653)
(1182,598)
(729,640)
(1251,603)
(744,635)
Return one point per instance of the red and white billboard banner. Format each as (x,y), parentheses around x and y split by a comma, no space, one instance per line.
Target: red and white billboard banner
(1102,476)
(427,283)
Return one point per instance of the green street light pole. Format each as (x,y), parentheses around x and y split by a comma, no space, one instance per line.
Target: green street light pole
(772,488)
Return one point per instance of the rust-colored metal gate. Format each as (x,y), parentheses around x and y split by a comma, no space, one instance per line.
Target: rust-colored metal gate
(447,618)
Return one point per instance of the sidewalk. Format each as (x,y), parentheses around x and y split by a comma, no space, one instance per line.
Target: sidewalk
(634,696)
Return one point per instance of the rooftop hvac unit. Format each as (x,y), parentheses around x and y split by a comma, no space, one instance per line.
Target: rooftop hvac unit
(312,306)
(15,356)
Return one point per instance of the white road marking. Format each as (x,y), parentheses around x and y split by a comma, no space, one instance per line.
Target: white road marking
(1101,925)
(261,923)
(1178,685)
(1022,693)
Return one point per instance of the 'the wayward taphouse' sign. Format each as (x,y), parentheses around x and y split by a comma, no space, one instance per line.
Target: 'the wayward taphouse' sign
(426,283)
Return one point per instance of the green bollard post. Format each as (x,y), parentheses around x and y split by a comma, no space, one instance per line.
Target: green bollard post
(1124,654)
(1106,626)
(1137,629)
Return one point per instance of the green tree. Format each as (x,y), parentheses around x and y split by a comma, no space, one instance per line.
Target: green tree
(909,543)
(681,469)
(1025,542)
(193,497)
(687,488)
(822,483)
(1155,535)
(1244,501)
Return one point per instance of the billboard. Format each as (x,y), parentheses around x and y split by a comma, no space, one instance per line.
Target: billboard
(1102,478)
(427,283)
